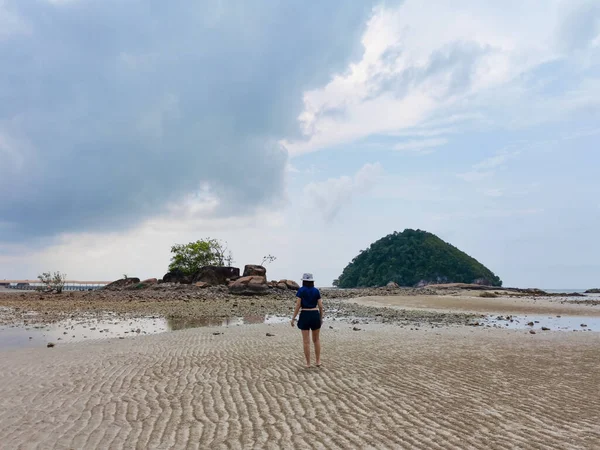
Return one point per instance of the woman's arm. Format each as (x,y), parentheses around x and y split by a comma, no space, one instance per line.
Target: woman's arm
(296,309)
(320,304)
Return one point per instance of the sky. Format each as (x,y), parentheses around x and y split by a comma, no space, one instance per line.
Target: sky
(305,130)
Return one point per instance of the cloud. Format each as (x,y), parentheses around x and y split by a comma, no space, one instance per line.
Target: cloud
(421,146)
(581,26)
(113,111)
(496,161)
(487,167)
(467,58)
(330,196)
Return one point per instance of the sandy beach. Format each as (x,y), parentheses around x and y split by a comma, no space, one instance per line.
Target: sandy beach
(381,386)
(472,303)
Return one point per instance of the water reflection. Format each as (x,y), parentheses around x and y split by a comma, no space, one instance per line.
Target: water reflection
(537,322)
(113,326)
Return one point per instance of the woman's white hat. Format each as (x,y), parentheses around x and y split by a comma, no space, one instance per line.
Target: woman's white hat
(307,277)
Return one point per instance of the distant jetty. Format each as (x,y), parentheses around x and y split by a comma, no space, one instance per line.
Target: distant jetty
(70,285)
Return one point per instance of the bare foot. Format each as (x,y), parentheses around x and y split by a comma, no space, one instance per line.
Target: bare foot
(318,364)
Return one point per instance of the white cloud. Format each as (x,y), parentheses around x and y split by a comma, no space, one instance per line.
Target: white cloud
(495,161)
(488,166)
(417,66)
(421,146)
(10,22)
(330,196)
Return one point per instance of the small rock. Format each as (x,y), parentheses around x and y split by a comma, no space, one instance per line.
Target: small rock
(216,333)
(270,334)
(50,344)
(330,327)
(121,337)
(545,329)
(583,325)
(355,329)
(531,332)
(530,324)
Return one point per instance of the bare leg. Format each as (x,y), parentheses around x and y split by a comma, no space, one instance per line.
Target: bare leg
(306,342)
(317,342)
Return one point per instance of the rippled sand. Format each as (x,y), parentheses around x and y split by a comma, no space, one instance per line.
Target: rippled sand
(381,387)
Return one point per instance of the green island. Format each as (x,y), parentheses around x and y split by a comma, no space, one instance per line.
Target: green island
(413,258)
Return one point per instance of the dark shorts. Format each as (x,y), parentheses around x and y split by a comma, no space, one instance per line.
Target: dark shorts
(309,320)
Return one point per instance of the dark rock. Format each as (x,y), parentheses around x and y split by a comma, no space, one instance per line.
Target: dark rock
(392,284)
(177,276)
(355,329)
(216,333)
(530,324)
(50,344)
(531,332)
(289,284)
(252,270)
(583,325)
(122,284)
(545,329)
(593,291)
(216,275)
(270,335)
(251,285)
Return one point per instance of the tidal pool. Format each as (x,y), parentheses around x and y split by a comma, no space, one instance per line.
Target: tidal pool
(111,326)
(536,322)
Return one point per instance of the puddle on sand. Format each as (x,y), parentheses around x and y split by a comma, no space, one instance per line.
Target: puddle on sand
(112,326)
(555,323)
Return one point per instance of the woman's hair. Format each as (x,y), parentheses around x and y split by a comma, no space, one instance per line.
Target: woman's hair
(308,283)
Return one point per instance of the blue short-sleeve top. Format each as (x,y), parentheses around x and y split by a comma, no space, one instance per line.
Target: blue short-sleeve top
(309,297)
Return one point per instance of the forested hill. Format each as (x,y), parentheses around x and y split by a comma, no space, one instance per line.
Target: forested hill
(412,258)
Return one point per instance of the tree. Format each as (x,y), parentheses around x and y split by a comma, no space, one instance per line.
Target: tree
(268,259)
(411,258)
(53,282)
(189,258)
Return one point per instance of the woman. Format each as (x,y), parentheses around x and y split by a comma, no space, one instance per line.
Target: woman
(311,316)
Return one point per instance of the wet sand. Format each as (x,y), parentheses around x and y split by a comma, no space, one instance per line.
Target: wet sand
(469,302)
(381,387)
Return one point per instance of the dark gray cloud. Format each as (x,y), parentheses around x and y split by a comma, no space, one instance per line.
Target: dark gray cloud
(111,110)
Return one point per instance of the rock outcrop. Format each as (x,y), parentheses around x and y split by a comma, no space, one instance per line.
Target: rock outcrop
(593,291)
(289,284)
(123,283)
(251,270)
(250,285)
(177,276)
(215,275)
(392,284)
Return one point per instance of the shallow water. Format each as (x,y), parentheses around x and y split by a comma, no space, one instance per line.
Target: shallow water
(111,326)
(555,323)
